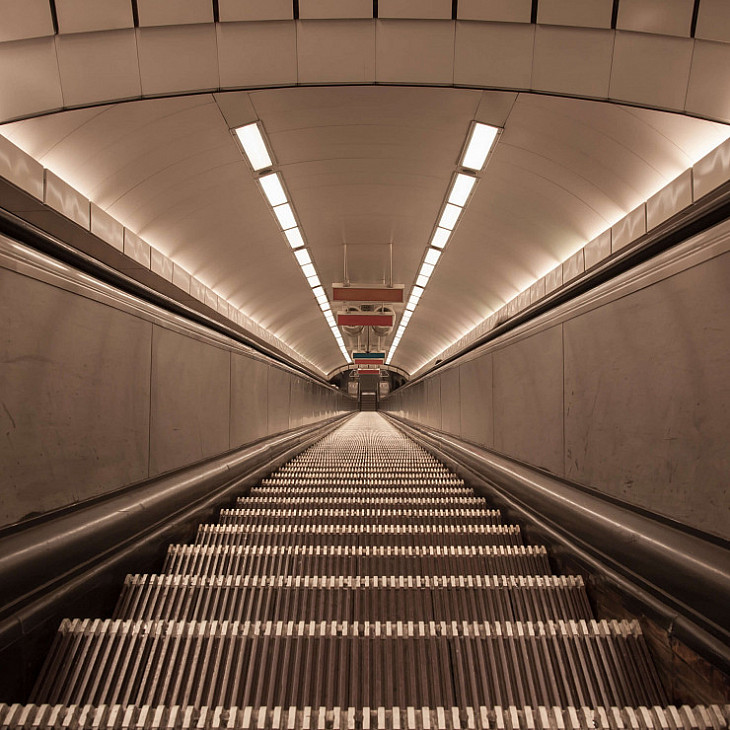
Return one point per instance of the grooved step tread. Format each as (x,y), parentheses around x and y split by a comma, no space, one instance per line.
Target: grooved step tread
(121,717)
(308,560)
(275,598)
(584,663)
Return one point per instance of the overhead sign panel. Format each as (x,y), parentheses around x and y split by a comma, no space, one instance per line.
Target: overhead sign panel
(368,358)
(391,295)
(365,319)
(369,371)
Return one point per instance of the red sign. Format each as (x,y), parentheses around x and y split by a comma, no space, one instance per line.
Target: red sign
(369,371)
(366,294)
(365,320)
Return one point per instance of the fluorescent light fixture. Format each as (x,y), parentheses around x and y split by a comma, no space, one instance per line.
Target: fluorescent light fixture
(477,148)
(274,192)
(309,270)
(313,280)
(254,146)
(462,189)
(322,301)
(294,236)
(285,216)
(440,238)
(432,256)
(410,306)
(325,307)
(303,257)
(415,296)
(426,270)
(448,217)
(319,291)
(422,280)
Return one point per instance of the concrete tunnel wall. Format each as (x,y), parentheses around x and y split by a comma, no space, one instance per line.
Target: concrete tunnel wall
(99,391)
(624,390)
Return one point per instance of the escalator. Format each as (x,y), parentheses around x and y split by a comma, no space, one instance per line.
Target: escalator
(362,585)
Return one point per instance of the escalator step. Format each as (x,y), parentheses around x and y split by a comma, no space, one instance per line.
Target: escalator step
(118,717)
(364,535)
(586,663)
(359,516)
(311,560)
(274,598)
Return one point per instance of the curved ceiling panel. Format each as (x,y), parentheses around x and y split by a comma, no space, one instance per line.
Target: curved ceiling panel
(658,60)
(367,166)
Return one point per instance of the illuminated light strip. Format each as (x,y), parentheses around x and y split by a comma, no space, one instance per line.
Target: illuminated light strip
(501,314)
(479,144)
(255,147)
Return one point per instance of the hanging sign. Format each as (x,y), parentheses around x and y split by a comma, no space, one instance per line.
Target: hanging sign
(368,358)
(391,295)
(365,319)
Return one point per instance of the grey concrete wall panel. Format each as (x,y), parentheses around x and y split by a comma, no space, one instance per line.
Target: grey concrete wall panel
(249,409)
(450,402)
(646,397)
(189,411)
(433,401)
(298,402)
(528,400)
(475,388)
(279,399)
(74,397)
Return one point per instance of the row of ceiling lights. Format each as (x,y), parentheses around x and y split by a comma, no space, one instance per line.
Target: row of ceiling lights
(257,151)
(479,144)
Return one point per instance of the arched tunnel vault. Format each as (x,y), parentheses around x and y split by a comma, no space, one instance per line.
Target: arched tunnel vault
(366,166)
(366,130)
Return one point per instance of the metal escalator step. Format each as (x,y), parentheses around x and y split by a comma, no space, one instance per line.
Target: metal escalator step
(358,491)
(358,516)
(346,534)
(312,560)
(319,664)
(390,598)
(352,502)
(146,717)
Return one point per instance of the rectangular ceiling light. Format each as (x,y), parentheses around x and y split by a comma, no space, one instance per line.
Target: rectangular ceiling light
(432,256)
(480,143)
(440,238)
(303,257)
(426,270)
(294,236)
(285,216)
(273,190)
(319,291)
(422,280)
(416,294)
(448,217)
(313,280)
(254,146)
(461,189)
(309,270)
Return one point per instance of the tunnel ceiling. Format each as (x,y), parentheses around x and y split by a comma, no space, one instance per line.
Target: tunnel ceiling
(367,166)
